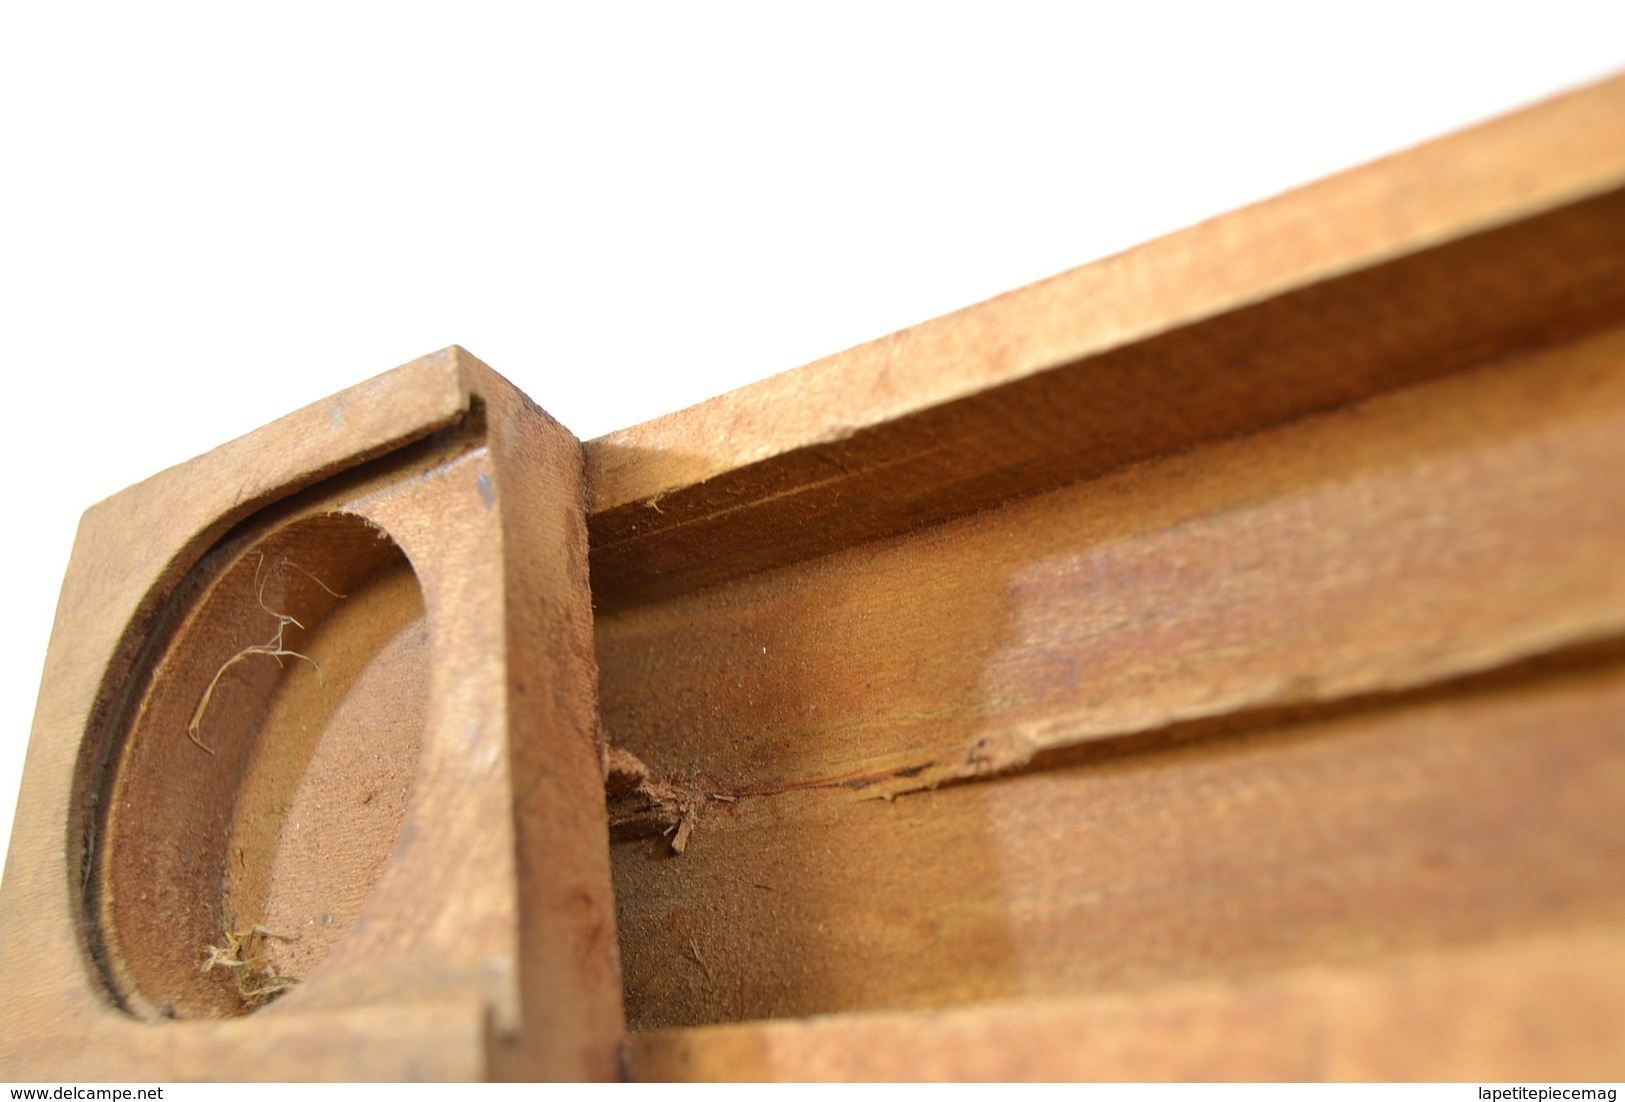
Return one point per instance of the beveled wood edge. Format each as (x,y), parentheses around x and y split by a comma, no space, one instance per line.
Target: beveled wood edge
(435,1040)
(1513,167)
(343,430)
(1477,1012)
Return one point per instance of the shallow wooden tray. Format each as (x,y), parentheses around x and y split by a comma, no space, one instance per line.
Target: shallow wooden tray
(1204,664)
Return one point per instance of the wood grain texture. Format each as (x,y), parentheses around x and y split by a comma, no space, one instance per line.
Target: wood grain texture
(1404,830)
(1530,1010)
(1437,532)
(1206,663)
(295,780)
(494,899)
(1291,699)
(1504,237)
(569,971)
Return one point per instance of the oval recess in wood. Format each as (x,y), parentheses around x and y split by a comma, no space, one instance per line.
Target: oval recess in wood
(258,769)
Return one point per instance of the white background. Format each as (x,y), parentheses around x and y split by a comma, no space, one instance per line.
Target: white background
(212,215)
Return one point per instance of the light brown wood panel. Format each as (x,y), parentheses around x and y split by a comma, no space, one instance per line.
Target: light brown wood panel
(1504,237)
(1199,618)
(1413,827)
(1547,156)
(1439,531)
(1536,1009)
(1368,561)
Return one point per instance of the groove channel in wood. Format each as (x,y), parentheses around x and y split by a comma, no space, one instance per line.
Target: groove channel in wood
(1434,534)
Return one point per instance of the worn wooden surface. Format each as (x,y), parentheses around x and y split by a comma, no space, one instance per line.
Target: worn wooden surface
(1512,1011)
(1309,661)
(1438,532)
(303,737)
(1247,605)
(1207,663)
(432,873)
(1506,236)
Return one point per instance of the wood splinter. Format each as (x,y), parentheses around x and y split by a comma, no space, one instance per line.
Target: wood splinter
(641,807)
